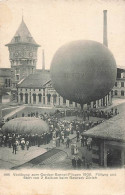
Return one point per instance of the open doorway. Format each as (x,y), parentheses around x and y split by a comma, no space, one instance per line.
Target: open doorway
(113,157)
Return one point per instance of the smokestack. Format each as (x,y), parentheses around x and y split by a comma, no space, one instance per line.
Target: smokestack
(105,40)
(43,61)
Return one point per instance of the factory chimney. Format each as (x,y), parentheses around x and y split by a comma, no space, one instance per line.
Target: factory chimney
(43,61)
(105,40)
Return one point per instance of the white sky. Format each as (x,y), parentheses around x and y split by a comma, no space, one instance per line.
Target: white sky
(55,22)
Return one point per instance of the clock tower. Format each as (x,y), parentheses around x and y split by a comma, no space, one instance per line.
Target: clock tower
(22,53)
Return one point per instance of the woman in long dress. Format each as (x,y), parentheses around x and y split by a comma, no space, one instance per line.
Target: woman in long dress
(76,150)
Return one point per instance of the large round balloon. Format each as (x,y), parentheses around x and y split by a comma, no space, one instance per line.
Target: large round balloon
(83,71)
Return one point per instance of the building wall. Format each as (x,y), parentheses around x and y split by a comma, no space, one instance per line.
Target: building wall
(101,149)
(5,85)
(119,88)
(49,97)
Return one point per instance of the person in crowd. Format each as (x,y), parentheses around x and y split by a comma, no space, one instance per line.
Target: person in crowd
(82,140)
(27,145)
(76,150)
(79,162)
(14,147)
(83,161)
(78,134)
(22,144)
(89,143)
(74,162)
(67,142)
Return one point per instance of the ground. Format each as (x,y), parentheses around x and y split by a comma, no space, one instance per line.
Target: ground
(9,160)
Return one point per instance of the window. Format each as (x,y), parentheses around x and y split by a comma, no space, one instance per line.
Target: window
(17,38)
(122,93)
(43,100)
(54,98)
(48,98)
(70,102)
(21,97)
(122,84)
(116,93)
(17,77)
(39,89)
(34,89)
(39,96)
(34,98)
(7,82)
(115,84)
(26,89)
(64,101)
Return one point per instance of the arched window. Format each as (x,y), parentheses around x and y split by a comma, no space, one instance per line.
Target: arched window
(40,98)
(26,98)
(64,101)
(34,98)
(48,98)
(70,102)
(54,98)
(21,97)
(116,93)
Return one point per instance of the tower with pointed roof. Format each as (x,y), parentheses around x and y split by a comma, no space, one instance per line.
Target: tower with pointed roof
(22,53)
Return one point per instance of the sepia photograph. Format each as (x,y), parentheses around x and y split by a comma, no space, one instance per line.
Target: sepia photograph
(62,95)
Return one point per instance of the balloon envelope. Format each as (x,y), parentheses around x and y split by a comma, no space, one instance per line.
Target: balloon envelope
(24,125)
(83,71)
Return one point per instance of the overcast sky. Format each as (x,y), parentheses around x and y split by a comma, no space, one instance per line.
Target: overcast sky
(55,22)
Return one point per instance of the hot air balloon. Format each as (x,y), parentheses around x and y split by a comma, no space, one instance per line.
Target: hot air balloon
(83,71)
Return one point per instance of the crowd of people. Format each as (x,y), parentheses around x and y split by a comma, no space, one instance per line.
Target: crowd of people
(59,129)
(78,162)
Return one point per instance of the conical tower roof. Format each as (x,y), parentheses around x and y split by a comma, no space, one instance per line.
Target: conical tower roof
(23,35)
